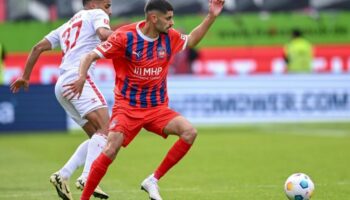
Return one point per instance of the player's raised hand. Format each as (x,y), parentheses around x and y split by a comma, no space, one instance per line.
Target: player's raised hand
(74,89)
(18,84)
(215,7)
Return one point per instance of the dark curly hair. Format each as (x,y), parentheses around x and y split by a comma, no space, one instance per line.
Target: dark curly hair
(160,5)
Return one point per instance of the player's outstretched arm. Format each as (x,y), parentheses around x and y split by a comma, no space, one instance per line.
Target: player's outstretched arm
(76,88)
(103,33)
(215,8)
(23,81)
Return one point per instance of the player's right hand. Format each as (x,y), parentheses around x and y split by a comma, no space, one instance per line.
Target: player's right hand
(74,89)
(18,84)
(216,6)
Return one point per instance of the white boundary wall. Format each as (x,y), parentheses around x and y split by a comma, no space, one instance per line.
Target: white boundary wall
(260,98)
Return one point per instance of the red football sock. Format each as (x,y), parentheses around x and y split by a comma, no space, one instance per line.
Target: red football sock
(98,170)
(175,154)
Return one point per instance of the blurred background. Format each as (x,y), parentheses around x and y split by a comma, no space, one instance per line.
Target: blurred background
(249,68)
(268,89)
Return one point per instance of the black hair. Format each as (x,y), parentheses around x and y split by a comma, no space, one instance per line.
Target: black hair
(297,33)
(85,2)
(160,5)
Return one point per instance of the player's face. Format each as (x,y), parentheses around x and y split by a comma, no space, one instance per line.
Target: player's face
(165,21)
(105,5)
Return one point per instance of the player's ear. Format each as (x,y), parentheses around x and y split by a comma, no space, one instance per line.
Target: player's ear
(152,16)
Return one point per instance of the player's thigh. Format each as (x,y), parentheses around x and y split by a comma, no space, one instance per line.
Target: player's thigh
(91,100)
(158,119)
(67,105)
(99,118)
(91,104)
(89,129)
(114,141)
(178,126)
(124,121)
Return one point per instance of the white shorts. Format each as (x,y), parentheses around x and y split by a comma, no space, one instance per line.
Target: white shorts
(91,98)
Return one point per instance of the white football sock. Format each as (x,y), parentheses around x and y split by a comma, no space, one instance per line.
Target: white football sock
(77,160)
(96,145)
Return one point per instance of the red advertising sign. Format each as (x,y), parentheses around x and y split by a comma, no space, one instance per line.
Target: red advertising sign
(255,60)
(46,70)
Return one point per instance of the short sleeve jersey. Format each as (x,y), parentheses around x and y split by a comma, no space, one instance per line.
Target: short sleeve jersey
(141,64)
(78,36)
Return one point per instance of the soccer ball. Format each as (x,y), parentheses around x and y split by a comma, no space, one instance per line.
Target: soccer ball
(299,186)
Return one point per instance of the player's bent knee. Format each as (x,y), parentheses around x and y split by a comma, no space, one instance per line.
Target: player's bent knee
(115,141)
(189,135)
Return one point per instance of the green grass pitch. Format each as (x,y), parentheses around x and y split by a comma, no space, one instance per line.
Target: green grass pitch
(226,163)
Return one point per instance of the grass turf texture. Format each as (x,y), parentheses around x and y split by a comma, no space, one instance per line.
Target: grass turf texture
(242,162)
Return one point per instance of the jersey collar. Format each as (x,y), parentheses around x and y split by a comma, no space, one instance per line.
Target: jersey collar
(143,36)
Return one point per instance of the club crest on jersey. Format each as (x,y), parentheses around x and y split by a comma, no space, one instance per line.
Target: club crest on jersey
(161,53)
(113,123)
(105,46)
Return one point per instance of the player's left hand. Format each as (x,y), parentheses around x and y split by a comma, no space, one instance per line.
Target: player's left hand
(74,89)
(215,7)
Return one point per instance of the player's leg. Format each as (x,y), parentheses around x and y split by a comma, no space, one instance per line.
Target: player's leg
(79,156)
(77,160)
(171,124)
(123,128)
(187,134)
(60,179)
(98,119)
(92,107)
(101,164)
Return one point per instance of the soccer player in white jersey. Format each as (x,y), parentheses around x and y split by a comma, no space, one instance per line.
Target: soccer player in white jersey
(78,36)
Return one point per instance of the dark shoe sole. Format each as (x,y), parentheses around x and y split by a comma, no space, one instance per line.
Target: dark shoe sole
(60,194)
(100,196)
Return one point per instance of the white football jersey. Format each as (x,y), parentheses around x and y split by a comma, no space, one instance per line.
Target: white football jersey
(78,37)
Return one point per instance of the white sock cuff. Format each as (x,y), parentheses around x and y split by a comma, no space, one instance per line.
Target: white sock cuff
(96,145)
(153,178)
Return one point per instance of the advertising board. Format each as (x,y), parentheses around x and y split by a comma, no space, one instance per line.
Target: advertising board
(36,110)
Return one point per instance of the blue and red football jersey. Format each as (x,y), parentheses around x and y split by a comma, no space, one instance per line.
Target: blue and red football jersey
(141,64)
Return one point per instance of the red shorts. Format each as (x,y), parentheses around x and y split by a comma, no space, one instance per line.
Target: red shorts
(129,120)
